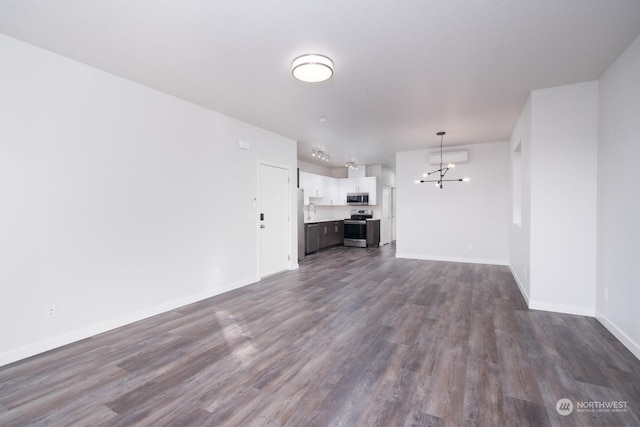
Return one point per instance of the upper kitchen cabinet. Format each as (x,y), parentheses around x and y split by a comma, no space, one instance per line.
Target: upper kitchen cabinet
(368,184)
(361,185)
(331,191)
(320,189)
(374,188)
(312,185)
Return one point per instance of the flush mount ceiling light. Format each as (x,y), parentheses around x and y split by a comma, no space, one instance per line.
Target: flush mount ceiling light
(351,164)
(312,68)
(320,154)
(442,171)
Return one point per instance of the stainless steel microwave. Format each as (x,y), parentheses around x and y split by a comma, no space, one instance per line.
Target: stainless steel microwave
(358,199)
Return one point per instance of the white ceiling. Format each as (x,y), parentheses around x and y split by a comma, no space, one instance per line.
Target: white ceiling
(404,69)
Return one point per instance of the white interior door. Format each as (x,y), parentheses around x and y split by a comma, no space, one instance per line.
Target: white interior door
(273,221)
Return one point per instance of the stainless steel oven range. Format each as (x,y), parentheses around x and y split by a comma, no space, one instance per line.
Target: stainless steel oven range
(355,228)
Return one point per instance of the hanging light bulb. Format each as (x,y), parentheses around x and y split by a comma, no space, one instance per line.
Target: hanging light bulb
(442,171)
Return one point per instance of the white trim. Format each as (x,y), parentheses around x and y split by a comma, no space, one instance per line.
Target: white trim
(562,308)
(625,339)
(517,279)
(80,334)
(453,259)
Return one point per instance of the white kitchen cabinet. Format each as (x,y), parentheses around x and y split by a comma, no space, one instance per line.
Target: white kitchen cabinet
(330,191)
(367,184)
(372,184)
(352,185)
(312,185)
(342,191)
(360,185)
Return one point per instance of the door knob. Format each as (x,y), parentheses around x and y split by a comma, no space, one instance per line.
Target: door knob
(262,226)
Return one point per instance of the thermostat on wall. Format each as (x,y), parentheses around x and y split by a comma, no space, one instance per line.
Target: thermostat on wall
(244,145)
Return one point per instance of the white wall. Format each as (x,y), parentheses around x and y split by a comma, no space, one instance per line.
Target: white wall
(339,172)
(314,168)
(618,254)
(519,234)
(441,224)
(116,201)
(388,177)
(563,170)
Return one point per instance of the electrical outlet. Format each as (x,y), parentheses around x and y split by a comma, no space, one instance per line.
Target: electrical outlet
(50,311)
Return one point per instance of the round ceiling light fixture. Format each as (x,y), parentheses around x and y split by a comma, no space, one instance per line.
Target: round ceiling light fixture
(312,68)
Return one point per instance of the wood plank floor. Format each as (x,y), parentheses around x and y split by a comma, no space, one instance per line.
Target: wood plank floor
(355,337)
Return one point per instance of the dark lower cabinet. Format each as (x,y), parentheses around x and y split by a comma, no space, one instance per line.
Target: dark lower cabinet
(329,233)
(339,232)
(373,232)
(324,235)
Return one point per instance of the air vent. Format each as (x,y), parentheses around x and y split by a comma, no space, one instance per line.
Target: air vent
(450,157)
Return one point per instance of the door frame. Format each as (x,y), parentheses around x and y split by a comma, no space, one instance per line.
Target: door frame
(393,214)
(385,221)
(257,213)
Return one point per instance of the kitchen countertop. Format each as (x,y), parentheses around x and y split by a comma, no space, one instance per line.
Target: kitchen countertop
(317,220)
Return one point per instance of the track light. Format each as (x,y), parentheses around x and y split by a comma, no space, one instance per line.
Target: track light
(320,154)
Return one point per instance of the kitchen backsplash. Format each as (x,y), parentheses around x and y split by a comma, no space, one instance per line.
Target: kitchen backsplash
(339,212)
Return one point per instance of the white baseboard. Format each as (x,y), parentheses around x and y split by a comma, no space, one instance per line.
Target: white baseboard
(550,306)
(80,334)
(625,339)
(562,308)
(517,279)
(453,259)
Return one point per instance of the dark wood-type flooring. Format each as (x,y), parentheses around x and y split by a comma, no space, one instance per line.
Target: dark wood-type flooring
(355,337)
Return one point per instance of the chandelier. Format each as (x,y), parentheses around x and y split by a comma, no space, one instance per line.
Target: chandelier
(442,171)
(351,164)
